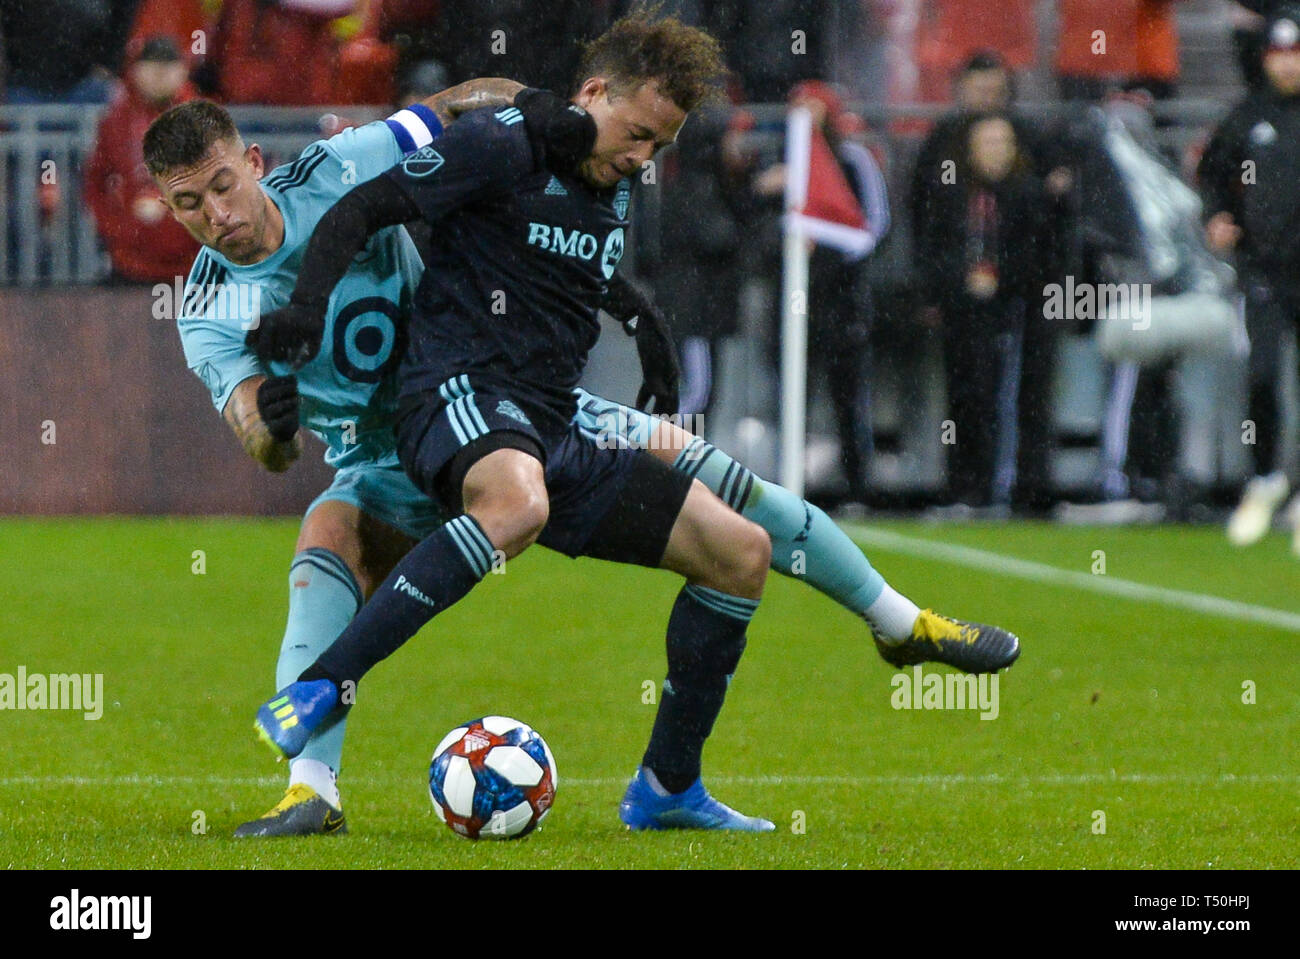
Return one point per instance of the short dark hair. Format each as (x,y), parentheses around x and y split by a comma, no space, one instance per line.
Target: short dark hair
(686,62)
(182,136)
(983,60)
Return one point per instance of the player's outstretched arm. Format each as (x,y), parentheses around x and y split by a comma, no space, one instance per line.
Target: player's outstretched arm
(474,158)
(472,94)
(263,412)
(564,131)
(292,334)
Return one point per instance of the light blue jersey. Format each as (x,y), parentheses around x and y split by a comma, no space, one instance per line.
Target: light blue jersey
(348,391)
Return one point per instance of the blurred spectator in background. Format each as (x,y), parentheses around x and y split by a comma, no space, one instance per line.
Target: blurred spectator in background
(301,52)
(189,24)
(981,238)
(839,299)
(950,32)
(63,51)
(1102,45)
(1140,228)
(860,54)
(420,81)
(1250,178)
(538,44)
(774,44)
(985,84)
(704,216)
(144,243)
(1249,40)
(412,27)
(367,66)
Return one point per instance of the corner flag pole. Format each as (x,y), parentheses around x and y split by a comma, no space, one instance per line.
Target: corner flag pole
(794,302)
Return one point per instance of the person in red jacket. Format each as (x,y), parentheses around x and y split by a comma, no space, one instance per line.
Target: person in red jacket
(950,32)
(1105,44)
(144,243)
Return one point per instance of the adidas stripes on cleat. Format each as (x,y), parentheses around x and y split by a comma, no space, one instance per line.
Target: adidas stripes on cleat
(286,721)
(970,647)
(644,808)
(302,812)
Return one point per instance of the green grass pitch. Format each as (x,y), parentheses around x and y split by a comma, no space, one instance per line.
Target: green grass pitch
(1130,708)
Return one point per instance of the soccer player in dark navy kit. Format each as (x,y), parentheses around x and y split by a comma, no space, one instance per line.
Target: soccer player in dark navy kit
(502,324)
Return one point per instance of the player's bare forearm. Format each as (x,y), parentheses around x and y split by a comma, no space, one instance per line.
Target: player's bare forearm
(242,415)
(472,94)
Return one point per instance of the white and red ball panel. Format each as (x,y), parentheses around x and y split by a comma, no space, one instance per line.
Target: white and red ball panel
(493,777)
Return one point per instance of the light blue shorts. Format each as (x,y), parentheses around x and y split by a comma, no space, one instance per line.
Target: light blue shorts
(387,494)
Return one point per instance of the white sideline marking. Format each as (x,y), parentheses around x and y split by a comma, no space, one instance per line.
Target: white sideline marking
(916,779)
(1042,573)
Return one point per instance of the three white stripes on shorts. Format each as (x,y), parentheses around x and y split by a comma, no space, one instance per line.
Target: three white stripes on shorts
(466,421)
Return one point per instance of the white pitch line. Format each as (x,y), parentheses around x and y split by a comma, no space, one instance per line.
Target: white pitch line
(916,779)
(1002,564)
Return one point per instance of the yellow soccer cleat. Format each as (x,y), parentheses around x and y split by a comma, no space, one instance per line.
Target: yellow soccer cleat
(970,647)
(302,812)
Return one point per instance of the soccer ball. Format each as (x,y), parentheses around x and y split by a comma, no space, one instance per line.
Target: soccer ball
(492,778)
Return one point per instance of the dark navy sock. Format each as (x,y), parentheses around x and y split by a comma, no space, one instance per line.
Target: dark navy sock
(706,635)
(433,576)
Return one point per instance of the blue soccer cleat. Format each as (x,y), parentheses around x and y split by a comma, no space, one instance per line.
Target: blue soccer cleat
(286,722)
(643,808)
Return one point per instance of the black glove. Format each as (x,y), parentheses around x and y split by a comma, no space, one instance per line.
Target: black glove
(277,404)
(565,131)
(291,334)
(659,368)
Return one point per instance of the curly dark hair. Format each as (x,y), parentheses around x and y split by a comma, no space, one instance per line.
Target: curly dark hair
(643,46)
(182,136)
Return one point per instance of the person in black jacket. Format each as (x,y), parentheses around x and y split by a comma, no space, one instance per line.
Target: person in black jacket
(1250,180)
(985,84)
(982,239)
(704,212)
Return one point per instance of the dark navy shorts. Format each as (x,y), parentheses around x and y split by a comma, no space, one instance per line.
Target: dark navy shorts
(606,500)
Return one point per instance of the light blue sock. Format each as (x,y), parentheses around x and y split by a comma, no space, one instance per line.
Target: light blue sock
(806,544)
(323,599)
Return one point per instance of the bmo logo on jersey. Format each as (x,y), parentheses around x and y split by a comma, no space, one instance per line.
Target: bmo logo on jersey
(575,243)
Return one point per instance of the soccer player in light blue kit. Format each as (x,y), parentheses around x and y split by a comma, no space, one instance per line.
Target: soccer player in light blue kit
(254,232)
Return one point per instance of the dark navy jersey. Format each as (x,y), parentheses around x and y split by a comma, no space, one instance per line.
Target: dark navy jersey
(520,257)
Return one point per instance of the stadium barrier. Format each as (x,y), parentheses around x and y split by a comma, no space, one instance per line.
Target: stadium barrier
(48,236)
(102,416)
